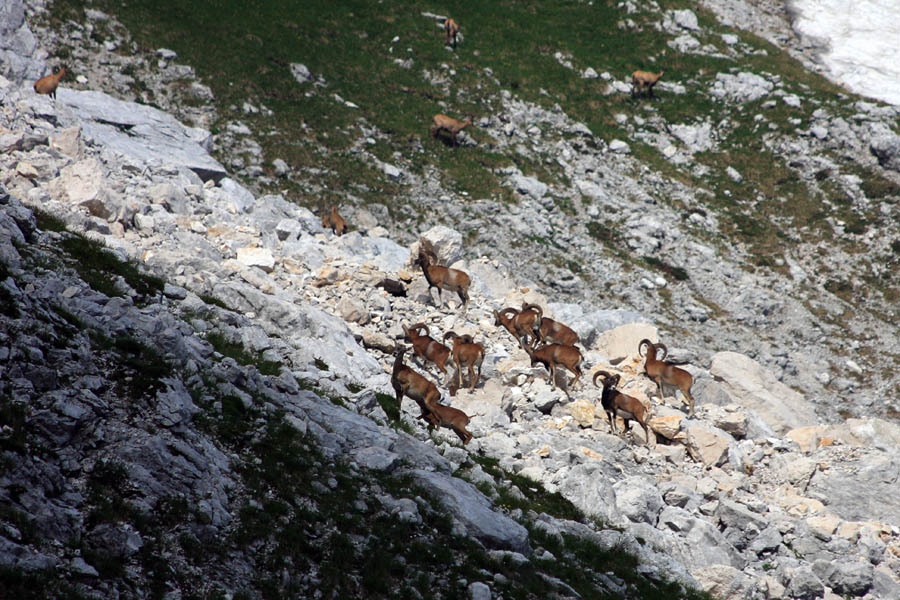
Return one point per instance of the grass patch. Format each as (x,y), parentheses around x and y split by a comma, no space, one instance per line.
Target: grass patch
(138,368)
(236,351)
(676,273)
(100,268)
(535,496)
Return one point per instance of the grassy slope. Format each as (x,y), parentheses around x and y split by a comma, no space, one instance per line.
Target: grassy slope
(245,48)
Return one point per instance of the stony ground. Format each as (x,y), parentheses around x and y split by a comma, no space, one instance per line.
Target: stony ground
(751,499)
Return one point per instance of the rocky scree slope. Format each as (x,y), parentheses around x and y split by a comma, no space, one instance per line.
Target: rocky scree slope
(766,529)
(611,226)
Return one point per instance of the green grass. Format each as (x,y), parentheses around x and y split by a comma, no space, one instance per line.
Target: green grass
(137,368)
(100,268)
(245,52)
(236,350)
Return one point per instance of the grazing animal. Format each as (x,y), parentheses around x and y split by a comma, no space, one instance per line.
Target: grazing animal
(392,287)
(450,125)
(443,278)
(335,221)
(644,80)
(428,349)
(48,83)
(466,353)
(451,27)
(407,382)
(617,404)
(666,373)
(551,355)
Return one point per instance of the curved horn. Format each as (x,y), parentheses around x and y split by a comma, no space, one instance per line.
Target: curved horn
(534,307)
(429,253)
(665,351)
(467,339)
(598,374)
(450,334)
(510,309)
(641,346)
(418,326)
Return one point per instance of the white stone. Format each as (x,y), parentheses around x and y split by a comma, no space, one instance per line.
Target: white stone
(256,257)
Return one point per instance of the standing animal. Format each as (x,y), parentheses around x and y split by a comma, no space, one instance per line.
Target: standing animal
(406,381)
(550,331)
(428,349)
(466,352)
(520,324)
(551,355)
(666,373)
(48,83)
(644,80)
(450,125)
(443,278)
(451,27)
(617,404)
(335,221)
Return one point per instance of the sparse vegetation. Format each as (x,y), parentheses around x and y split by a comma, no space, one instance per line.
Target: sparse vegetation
(301,510)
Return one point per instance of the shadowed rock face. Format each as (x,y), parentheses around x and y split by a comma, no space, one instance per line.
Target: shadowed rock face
(474,511)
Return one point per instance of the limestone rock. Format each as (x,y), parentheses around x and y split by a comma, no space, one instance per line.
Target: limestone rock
(754,388)
(706,444)
(256,257)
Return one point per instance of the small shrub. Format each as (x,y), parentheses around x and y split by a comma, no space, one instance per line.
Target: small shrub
(677,273)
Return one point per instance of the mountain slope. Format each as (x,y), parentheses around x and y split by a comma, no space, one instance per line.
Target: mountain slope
(577,192)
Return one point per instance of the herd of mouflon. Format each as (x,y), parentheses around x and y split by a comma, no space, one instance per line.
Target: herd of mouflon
(547,342)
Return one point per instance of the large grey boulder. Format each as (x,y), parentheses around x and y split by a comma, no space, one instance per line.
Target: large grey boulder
(749,385)
(20,57)
(84,183)
(701,544)
(469,506)
(741,88)
(887,149)
(446,244)
(588,489)
(861,490)
(141,132)
(638,498)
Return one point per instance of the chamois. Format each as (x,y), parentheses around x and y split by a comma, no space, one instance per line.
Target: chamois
(617,404)
(665,372)
(48,83)
(551,355)
(335,221)
(451,27)
(520,323)
(466,352)
(392,287)
(427,348)
(406,381)
(443,278)
(552,332)
(450,125)
(641,80)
